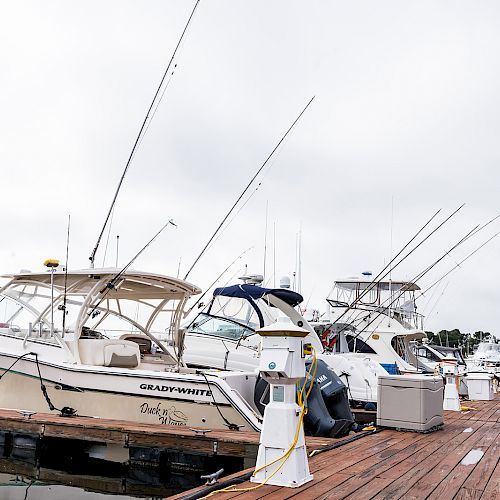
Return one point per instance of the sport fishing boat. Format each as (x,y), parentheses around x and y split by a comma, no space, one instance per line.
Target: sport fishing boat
(90,341)
(376,319)
(223,335)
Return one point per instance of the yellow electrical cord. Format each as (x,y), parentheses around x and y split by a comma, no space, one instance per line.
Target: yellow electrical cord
(303,410)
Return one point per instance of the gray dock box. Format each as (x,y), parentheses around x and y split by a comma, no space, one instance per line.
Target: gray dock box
(412,402)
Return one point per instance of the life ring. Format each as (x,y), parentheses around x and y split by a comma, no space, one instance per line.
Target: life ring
(328,339)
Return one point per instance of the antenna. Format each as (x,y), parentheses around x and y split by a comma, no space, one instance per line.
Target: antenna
(265,242)
(274,255)
(65,279)
(117,248)
(390,256)
(299,252)
(179,267)
(140,135)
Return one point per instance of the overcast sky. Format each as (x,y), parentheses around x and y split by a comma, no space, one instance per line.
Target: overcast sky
(405,122)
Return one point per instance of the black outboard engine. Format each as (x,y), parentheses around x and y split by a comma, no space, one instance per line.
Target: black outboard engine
(328,412)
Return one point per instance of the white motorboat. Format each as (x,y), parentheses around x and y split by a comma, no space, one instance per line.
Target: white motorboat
(376,319)
(487,355)
(109,361)
(223,335)
(433,355)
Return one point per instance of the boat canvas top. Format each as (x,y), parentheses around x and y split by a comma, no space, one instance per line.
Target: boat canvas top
(139,284)
(363,284)
(249,291)
(96,301)
(235,312)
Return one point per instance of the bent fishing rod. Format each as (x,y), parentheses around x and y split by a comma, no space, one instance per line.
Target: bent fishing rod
(141,134)
(248,187)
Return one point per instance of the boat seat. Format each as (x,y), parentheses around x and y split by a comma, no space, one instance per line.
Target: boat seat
(109,352)
(143,341)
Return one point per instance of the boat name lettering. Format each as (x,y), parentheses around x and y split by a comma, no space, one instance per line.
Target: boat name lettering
(180,390)
(170,415)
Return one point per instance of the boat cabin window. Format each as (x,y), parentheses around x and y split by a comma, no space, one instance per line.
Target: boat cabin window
(357,345)
(243,312)
(219,327)
(422,352)
(455,353)
(488,349)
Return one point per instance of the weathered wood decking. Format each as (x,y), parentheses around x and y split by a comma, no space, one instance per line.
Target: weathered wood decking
(217,442)
(407,465)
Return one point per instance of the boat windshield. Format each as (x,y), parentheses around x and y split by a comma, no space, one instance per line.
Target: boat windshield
(219,327)
(234,317)
(455,353)
(488,349)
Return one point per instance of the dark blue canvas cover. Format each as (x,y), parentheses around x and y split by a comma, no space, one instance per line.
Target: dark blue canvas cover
(248,291)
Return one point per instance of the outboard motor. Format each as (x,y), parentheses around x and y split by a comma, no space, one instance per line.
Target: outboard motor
(328,412)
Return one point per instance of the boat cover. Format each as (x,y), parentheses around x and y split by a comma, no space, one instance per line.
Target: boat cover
(248,291)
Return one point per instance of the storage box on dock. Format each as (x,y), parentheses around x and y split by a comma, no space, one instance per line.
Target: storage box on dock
(410,402)
(480,386)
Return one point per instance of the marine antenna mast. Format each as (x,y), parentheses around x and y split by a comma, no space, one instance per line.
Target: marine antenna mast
(156,101)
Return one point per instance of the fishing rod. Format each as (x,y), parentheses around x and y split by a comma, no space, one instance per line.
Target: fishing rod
(473,233)
(389,267)
(421,275)
(217,279)
(438,300)
(458,264)
(248,186)
(112,282)
(351,306)
(140,136)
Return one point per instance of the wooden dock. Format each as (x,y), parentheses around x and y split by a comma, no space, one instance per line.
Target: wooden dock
(407,465)
(217,442)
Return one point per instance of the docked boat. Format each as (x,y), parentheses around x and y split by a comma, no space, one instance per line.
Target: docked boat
(223,335)
(375,319)
(109,343)
(432,356)
(110,361)
(487,355)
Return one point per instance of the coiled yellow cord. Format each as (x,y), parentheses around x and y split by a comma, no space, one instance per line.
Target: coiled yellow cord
(303,410)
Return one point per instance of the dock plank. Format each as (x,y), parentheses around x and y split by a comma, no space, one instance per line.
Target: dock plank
(478,479)
(426,485)
(492,490)
(451,484)
(386,465)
